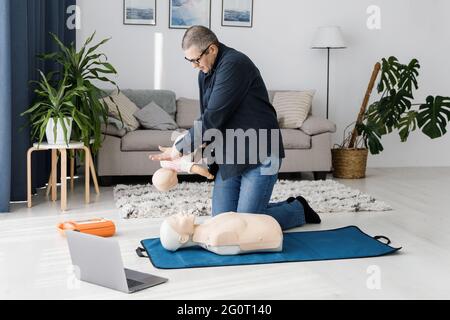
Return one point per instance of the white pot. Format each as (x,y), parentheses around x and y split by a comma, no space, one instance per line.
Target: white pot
(59,138)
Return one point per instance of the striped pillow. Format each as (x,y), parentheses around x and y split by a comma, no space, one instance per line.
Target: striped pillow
(127,109)
(292,107)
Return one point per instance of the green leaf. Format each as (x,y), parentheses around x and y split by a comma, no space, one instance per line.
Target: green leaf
(109,67)
(89,40)
(32,108)
(49,56)
(374,116)
(407,124)
(372,138)
(391,107)
(87,59)
(64,127)
(408,77)
(390,72)
(434,115)
(44,125)
(61,46)
(97,45)
(101,70)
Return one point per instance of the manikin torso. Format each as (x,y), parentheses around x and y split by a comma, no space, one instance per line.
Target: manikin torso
(228,233)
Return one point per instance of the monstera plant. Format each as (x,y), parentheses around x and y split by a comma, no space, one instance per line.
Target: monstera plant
(393,111)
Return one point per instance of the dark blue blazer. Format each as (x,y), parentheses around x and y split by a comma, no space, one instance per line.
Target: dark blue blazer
(233,96)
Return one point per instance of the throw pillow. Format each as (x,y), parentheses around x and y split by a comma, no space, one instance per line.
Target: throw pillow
(188,110)
(154,117)
(112,130)
(316,125)
(292,107)
(119,125)
(126,108)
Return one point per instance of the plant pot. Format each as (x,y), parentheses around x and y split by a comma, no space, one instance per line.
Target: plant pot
(59,138)
(349,163)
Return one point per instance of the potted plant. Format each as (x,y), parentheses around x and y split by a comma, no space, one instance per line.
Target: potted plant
(82,68)
(53,112)
(393,111)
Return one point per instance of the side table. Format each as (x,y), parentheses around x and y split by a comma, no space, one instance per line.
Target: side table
(62,148)
(72,172)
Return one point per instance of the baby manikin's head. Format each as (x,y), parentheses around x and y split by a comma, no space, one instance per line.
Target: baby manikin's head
(176,230)
(165,179)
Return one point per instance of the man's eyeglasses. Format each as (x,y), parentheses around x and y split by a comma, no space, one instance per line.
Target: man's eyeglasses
(197,61)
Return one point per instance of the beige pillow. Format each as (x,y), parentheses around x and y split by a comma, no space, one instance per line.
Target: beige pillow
(292,107)
(127,109)
(188,110)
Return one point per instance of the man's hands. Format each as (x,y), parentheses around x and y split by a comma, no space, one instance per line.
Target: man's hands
(168,154)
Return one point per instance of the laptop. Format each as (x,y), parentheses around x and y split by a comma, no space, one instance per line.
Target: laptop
(98,260)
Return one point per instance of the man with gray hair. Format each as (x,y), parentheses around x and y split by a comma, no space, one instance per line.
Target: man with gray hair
(233,96)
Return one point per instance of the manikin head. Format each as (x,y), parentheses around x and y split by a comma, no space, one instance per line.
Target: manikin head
(165,179)
(200,46)
(176,231)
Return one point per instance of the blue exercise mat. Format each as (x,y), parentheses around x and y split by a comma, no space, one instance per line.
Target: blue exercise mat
(343,243)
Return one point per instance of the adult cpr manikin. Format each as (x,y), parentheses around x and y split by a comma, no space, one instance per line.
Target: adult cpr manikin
(228,233)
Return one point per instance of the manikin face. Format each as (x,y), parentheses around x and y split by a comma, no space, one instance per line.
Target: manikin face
(202,60)
(175,231)
(182,223)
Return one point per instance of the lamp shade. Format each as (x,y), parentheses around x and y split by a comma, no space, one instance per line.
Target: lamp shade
(328,37)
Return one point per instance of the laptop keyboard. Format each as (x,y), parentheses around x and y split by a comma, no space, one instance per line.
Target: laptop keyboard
(133,283)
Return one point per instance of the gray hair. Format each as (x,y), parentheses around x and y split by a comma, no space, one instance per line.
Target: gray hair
(198,36)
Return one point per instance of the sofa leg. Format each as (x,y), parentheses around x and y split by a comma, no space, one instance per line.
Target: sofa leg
(320,175)
(105,181)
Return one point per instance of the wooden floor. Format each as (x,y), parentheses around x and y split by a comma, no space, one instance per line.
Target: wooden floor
(35,262)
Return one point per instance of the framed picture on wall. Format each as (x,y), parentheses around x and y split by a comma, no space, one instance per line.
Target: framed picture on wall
(237,13)
(186,13)
(139,12)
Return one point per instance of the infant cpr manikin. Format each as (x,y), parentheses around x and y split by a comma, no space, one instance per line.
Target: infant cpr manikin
(165,178)
(228,233)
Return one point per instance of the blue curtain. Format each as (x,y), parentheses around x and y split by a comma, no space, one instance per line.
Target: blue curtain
(29,23)
(5,106)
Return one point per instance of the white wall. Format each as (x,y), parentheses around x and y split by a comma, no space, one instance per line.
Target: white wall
(279,44)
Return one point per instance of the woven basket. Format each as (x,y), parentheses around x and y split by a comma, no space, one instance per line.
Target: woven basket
(349,163)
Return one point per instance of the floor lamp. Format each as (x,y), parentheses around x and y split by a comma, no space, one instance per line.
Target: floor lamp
(328,38)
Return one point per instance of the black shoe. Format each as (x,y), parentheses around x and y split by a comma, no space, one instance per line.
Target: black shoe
(290,199)
(310,215)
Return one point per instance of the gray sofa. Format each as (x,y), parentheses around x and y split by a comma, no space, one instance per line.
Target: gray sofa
(307,149)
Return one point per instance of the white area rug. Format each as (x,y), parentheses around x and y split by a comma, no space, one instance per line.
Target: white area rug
(324,196)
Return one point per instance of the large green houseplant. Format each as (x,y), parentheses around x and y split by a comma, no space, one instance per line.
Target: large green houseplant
(54,108)
(393,111)
(81,68)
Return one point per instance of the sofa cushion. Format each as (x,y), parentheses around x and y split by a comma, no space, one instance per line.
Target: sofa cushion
(295,139)
(154,117)
(188,110)
(149,140)
(292,107)
(315,125)
(146,140)
(125,106)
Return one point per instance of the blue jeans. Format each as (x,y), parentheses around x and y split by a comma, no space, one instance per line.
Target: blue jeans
(250,193)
